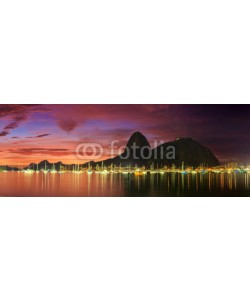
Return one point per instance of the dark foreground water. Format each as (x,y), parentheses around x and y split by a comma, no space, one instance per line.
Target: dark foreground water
(70,184)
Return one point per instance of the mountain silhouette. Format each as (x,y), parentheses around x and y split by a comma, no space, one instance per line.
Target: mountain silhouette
(138,139)
(138,152)
(187,152)
(136,149)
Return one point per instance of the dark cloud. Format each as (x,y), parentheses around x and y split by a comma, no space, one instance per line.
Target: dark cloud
(67,125)
(40,150)
(38,136)
(37,149)
(42,135)
(18,113)
(17,110)
(12,125)
(4,133)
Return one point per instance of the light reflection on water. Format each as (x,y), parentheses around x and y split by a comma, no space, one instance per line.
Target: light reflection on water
(168,184)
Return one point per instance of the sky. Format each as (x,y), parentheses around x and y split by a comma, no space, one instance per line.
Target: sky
(31,133)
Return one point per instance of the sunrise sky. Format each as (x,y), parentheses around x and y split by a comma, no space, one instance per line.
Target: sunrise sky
(31,133)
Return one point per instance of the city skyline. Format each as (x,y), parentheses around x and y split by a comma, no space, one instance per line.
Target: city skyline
(31,133)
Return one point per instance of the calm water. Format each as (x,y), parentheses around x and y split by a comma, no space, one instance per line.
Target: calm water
(70,184)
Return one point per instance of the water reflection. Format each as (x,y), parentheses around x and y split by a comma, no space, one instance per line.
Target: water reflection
(112,184)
